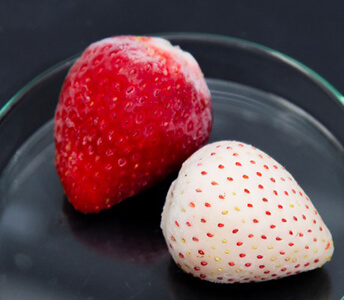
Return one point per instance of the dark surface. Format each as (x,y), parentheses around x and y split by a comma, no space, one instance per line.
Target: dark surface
(37,34)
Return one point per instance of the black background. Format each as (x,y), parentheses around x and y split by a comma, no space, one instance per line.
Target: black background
(36,34)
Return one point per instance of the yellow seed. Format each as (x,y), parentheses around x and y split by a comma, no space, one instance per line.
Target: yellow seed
(186,266)
(320,266)
(92,103)
(114,99)
(238,271)
(182,192)
(294,260)
(136,166)
(273,258)
(212,273)
(316,251)
(237,208)
(328,258)
(107,201)
(225,212)
(270,247)
(243,221)
(67,147)
(219,269)
(234,193)
(217,258)
(287,259)
(323,240)
(278,265)
(183,210)
(224,241)
(254,247)
(183,240)
(297,250)
(291,205)
(305,256)
(213,247)
(173,238)
(188,253)
(227,251)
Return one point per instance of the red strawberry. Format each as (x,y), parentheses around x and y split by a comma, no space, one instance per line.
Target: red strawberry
(131,110)
(234,214)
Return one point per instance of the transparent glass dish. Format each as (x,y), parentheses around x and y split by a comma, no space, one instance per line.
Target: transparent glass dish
(260,96)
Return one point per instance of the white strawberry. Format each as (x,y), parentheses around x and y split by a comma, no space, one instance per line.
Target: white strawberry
(234,214)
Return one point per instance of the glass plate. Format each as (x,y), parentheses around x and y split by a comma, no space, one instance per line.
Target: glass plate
(261,97)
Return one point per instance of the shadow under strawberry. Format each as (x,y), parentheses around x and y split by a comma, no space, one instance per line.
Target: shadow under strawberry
(312,285)
(129,231)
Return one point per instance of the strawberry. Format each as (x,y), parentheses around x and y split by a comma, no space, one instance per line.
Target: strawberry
(131,110)
(234,214)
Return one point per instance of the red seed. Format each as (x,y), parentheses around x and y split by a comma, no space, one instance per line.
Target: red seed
(201,252)
(231,264)
(272,226)
(261,267)
(210,234)
(181,255)
(220,225)
(214,183)
(245,176)
(273,179)
(204,263)
(259,256)
(250,235)
(239,243)
(229,178)
(268,213)
(265,200)
(188,224)
(255,221)
(221,167)
(176,223)
(204,173)
(202,276)
(242,255)
(249,205)
(195,239)
(238,164)
(278,239)
(259,174)
(197,268)
(263,237)
(247,264)
(203,221)
(207,204)
(260,186)
(235,230)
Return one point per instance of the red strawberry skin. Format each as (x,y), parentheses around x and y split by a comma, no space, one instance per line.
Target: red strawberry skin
(130,112)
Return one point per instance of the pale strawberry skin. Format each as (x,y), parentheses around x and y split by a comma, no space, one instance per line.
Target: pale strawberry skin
(235,215)
(129,114)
